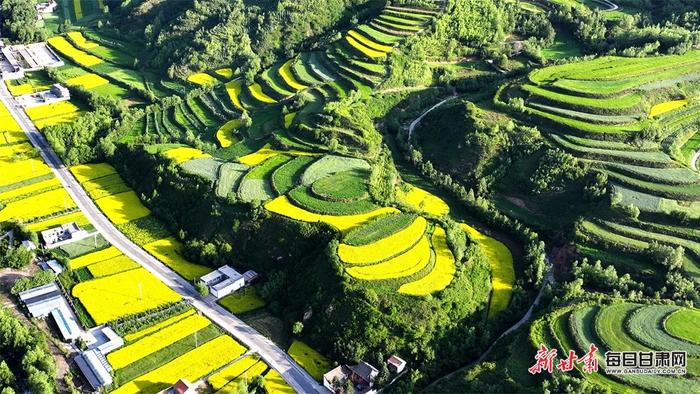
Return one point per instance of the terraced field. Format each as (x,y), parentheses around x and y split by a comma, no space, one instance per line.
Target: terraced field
(617,327)
(595,109)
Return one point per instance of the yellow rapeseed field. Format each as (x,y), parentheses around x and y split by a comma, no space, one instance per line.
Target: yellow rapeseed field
(184,153)
(18,171)
(122,294)
(288,76)
(10,153)
(401,266)
(167,250)
(502,273)
(443,271)
(248,375)
(202,79)
(369,43)
(76,217)
(7,121)
(191,366)
(122,207)
(282,206)
(159,326)
(423,201)
(126,355)
(65,48)
(225,72)
(257,93)
(312,361)
(274,383)
(225,133)
(31,188)
(385,248)
(53,114)
(112,266)
(85,172)
(19,90)
(267,152)
(37,205)
(233,89)
(369,52)
(659,109)
(80,40)
(87,81)
(95,257)
(227,374)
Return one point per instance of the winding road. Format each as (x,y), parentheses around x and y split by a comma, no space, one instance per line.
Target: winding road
(275,357)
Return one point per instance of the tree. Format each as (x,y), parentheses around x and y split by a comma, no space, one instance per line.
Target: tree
(18,21)
(297,328)
(202,289)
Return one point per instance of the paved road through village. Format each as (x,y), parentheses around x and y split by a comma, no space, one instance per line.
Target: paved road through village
(275,357)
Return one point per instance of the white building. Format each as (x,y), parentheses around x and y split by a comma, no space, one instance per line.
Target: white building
(48,300)
(94,366)
(46,8)
(52,265)
(65,234)
(223,281)
(18,59)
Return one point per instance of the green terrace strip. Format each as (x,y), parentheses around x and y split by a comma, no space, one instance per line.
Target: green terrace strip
(379,228)
(682,324)
(625,103)
(343,186)
(229,177)
(650,159)
(303,197)
(646,326)
(256,184)
(288,175)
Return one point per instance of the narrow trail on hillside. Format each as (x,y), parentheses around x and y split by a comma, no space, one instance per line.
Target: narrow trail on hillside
(694,160)
(548,279)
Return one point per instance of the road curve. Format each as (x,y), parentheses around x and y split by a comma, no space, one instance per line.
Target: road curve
(275,357)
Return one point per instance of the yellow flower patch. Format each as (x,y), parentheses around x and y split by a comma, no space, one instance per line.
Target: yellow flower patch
(231,372)
(65,48)
(274,383)
(159,326)
(662,108)
(34,187)
(225,134)
(7,153)
(37,205)
(87,81)
(267,152)
(386,248)
(257,93)
(191,366)
(282,206)
(13,172)
(19,90)
(122,294)
(95,257)
(401,266)
(288,76)
(369,52)
(126,355)
(76,217)
(80,40)
(184,153)
(112,266)
(86,172)
(53,114)
(502,273)
(8,122)
(312,361)
(423,201)
(233,89)
(123,207)
(202,79)
(225,72)
(168,251)
(369,43)
(443,271)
